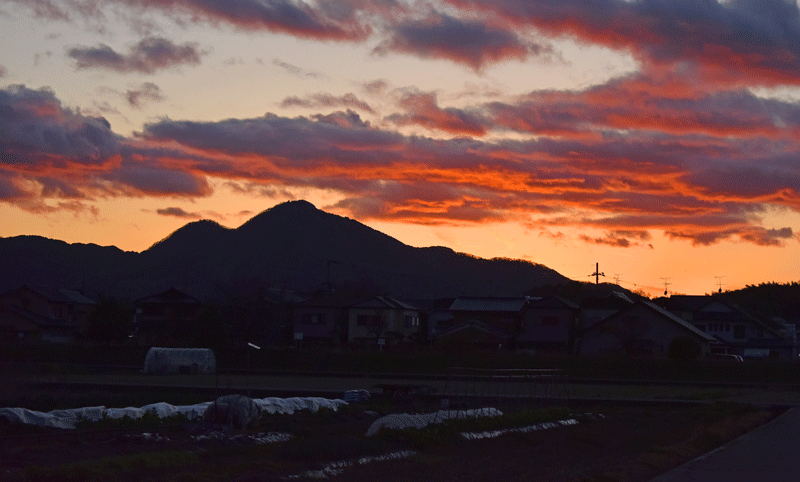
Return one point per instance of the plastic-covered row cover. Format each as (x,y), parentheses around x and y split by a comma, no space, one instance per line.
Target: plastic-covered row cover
(69,418)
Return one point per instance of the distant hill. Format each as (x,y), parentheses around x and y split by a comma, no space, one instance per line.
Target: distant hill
(293,246)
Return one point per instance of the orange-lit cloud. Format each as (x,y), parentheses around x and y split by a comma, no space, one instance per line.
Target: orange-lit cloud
(422,109)
(689,185)
(746,42)
(347,101)
(725,43)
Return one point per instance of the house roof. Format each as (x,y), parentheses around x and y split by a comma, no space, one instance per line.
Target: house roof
(171,296)
(39,320)
(680,321)
(685,302)
(697,303)
(551,302)
(479,325)
(60,295)
(614,300)
(327,302)
(510,305)
(662,312)
(384,302)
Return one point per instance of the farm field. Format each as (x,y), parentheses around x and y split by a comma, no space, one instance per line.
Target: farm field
(610,443)
(613,441)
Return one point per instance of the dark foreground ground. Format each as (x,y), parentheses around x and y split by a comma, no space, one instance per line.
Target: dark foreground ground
(626,443)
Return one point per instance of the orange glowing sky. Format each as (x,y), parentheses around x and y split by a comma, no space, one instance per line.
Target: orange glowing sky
(659,139)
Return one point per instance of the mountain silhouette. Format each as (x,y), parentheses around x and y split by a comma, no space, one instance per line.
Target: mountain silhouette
(293,246)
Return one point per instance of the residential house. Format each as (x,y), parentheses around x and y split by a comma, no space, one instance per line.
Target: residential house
(382,318)
(594,309)
(471,336)
(549,325)
(742,333)
(263,317)
(641,329)
(438,317)
(321,321)
(502,313)
(165,319)
(41,313)
(483,322)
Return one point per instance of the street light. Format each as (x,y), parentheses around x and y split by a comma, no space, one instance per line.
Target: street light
(248,365)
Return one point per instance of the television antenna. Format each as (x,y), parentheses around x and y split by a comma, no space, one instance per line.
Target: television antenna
(666,284)
(719,282)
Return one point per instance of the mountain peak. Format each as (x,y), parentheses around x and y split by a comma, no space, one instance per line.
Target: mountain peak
(205,230)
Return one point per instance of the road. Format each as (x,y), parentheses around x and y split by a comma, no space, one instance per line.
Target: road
(769,453)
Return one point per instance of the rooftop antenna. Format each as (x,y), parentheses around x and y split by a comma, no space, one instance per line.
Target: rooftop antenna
(719,283)
(616,279)
(597,274)
(666,284)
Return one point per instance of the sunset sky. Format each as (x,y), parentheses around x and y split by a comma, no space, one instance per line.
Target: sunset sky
(658,138)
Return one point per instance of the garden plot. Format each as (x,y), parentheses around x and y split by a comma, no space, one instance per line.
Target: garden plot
(68,419)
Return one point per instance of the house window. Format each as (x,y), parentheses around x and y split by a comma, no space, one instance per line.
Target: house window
(739,331)
(411,320)
(368,320)
(314,319)
(549,321)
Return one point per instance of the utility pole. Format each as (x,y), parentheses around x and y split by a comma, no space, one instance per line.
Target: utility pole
(597,274)
(666,284)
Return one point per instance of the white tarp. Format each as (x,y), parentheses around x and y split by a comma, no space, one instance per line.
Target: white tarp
(69,418)
(175,360)
(400,421)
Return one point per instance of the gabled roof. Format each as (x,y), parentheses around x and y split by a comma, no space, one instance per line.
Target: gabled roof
(684,302)
(479,325)
(384,302)
(552,301)
(328,301)
(614,300)
(60,295)
(171,296)
(697,304)
(508,305)
(680,321)
(662,312)
(39,320)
